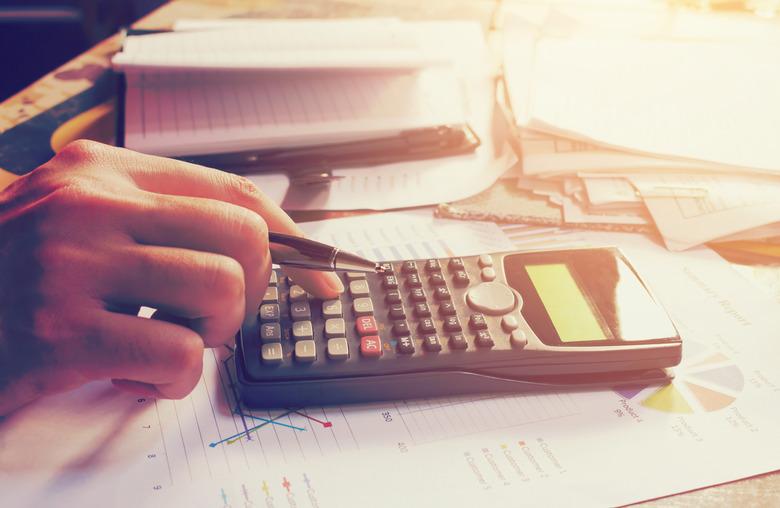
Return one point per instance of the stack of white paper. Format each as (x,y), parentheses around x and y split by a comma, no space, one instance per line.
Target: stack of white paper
(683,110)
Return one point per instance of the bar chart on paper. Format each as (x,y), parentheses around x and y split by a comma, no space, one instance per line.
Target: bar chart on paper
(432,420)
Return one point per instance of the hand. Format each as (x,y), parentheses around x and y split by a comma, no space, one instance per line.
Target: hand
(97,232)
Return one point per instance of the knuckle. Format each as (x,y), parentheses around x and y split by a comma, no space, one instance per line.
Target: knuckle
(248,225)
(188,357)
(226,279)
(82,150)
(243,190)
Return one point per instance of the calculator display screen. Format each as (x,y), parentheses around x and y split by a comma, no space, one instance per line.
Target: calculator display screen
(568,308)
(586,297)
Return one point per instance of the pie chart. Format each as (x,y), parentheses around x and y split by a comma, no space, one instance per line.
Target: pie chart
(706,380)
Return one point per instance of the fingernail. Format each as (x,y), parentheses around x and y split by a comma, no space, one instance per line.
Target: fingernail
(334,281)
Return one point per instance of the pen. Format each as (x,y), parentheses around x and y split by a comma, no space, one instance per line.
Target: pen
(289,250)
(412,144)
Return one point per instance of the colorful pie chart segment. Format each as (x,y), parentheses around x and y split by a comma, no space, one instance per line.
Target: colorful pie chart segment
(706,380)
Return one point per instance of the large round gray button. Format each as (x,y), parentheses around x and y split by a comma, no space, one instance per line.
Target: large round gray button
(491,298)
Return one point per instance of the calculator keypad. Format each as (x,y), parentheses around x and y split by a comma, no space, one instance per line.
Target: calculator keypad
(417,315)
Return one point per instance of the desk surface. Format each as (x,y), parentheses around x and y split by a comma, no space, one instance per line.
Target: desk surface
(82,72)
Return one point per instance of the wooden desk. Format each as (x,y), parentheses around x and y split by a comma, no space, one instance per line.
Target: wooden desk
(81,73)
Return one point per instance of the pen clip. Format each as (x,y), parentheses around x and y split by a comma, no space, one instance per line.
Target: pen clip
(431,138)
(312,176)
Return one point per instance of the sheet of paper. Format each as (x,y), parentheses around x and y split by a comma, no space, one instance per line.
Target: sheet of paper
(653,95)
(610,193)
(714,423)
(546,155)
(433,181)
(576,213)
(731,204)
(369,43)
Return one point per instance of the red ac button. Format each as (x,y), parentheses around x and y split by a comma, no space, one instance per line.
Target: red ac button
(371,346)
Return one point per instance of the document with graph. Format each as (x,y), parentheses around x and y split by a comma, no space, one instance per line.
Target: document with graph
(715,422)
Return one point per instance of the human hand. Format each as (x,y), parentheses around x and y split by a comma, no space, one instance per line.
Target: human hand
(97,232)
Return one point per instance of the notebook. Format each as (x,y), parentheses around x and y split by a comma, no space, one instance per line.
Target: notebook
(212,91)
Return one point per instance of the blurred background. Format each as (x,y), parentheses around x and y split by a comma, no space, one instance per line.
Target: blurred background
(37,36)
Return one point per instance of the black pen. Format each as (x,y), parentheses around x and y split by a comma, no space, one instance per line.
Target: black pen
(412,144)
(289,250)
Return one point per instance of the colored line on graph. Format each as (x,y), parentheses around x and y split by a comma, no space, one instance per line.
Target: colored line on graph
(236,437)
(324,424)
(266,420)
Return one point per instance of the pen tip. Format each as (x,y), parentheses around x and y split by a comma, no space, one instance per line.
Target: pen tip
(379,268)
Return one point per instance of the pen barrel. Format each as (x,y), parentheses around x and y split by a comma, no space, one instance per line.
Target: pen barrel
(352,263)
(287,250)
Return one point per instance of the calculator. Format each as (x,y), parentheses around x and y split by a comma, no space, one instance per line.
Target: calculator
(492,323)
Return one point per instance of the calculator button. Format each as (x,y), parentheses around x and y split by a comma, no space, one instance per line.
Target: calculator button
(271,353)
(400,328)
(518,339)
(447,308)
(417,295)
(338,349)
(302,330)
(363,306)
(390,282)
(270,332)
(405,345)
(358,288)
(413,280)
(441,294)
(269,312)
(397,312)
(455,264)
(300,311)
(366,325)
(477,322)
(509,323)
(335,328)
(483,339)
(437,279)
(458,341)
(409,267)
(485,260)
(371,346)
(387,267)
(488,274)
(393,296)
(331,309)
(271,295)
(355,276)
(432,265)
(452,324)
(492,298)
(274,279)
(297,293)
(432,343)
(426,325)
(460,279)
(422,309)
(305,351)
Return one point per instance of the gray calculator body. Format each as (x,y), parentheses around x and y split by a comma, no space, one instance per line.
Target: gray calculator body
(503,322)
